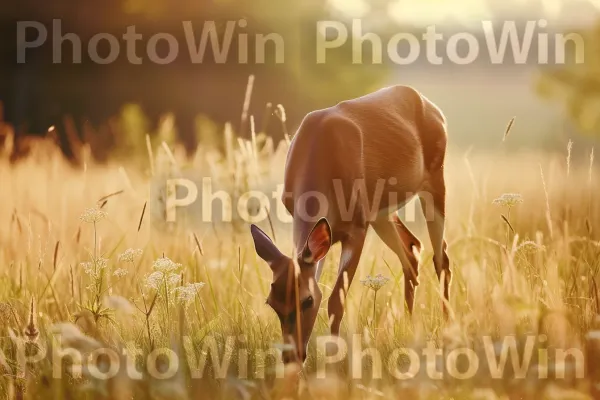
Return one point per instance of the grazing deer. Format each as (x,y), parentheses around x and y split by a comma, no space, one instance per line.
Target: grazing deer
(384,148)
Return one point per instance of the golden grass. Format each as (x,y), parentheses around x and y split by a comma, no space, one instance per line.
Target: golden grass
(533,271)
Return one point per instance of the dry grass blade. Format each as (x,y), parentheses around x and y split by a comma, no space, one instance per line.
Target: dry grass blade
(17,220)
(151,308)
(169,154)
(548,214)
(150,154)
(281,114)
(198,244)
(591,166)
(267,117)
(247,100)
(597,302)
(78,235)
(569,152)
(108,196)
(72,281)
(142,216)
(508,129)
(271,224)
(508,223)
(55,259)
(254,141)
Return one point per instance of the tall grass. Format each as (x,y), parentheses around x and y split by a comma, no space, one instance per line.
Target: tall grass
(542,280)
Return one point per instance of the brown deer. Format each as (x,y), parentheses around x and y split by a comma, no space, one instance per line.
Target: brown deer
(349,167)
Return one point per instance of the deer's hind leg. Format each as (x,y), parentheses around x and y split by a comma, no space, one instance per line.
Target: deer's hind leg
(433,203)
(407,247)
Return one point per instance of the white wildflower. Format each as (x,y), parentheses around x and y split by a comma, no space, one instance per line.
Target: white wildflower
(93,215)
(130,255)
(508,200)
(165,265)
(158,279)
(93,267)
(88,267)
(187,293)
(121,272)
(101,263)
(155,280)
(375,282)
(173,279)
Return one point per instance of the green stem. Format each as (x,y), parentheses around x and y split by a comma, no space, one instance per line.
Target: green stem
(375,317)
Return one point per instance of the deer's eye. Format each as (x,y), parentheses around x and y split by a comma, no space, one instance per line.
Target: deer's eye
(308,303)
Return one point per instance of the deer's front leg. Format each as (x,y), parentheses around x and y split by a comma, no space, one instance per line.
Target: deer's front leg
(351,250)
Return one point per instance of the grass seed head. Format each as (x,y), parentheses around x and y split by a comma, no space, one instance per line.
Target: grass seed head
(31,331)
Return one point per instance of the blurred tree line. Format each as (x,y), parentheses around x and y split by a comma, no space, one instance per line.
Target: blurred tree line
(40,93)
(577,85)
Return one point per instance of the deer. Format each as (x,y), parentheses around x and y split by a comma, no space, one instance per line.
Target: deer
(381,150)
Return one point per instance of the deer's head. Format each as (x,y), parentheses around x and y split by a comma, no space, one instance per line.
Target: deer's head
(295,296)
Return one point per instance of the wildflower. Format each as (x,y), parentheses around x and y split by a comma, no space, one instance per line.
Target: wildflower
(187,293)
(88,267)
(508,200)
(173,279)
(121,272)
(130,255)
(165,265)
(155,279)
(91,267)
(93,215)
(158,279)
(375,282)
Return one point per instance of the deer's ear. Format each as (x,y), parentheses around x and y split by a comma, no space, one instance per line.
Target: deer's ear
(318,242)
(265,248)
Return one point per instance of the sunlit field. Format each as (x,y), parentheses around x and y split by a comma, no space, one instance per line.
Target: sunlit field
(525,265)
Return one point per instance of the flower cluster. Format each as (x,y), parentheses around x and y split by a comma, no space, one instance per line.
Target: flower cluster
(166,280)
(130,255)
(94,267)
(187,293)
(166,274)
(508,200)
(165,265)
(158,280)
(375,282)
(121,272)
(93,215)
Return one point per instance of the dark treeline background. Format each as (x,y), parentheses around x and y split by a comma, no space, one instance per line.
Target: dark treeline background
(86,98)
(38,94)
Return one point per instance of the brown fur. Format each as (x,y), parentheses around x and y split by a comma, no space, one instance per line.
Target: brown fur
(391,142)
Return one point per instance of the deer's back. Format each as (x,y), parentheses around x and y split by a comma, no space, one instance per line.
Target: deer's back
(395,137)
(394,132)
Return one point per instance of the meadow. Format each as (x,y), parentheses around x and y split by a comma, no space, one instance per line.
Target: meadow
(84,254)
